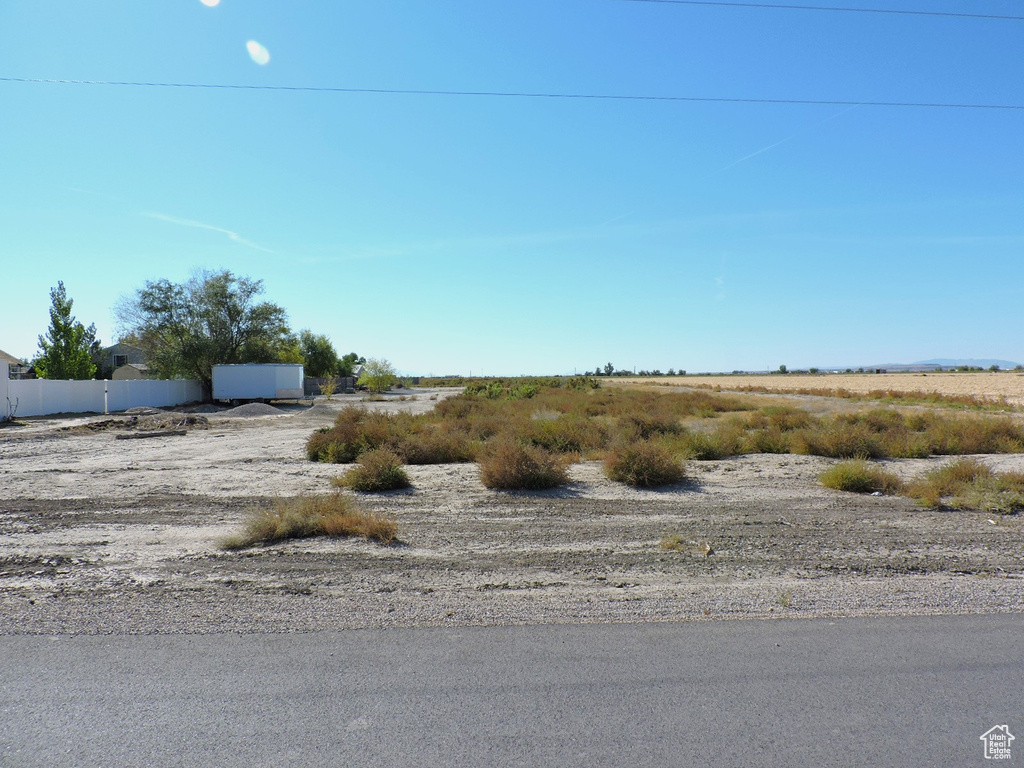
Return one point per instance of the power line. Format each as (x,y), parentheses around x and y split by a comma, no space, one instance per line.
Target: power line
(516,94)
(773,6)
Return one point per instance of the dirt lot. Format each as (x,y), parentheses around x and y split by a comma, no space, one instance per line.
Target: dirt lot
(99,535)
(986,385)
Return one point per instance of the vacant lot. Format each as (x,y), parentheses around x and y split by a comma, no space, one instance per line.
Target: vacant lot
(102,535)
(987,385)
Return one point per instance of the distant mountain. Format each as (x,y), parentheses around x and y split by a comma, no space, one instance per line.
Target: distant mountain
(948,363)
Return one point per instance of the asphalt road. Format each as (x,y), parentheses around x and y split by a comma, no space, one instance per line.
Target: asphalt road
(851,692)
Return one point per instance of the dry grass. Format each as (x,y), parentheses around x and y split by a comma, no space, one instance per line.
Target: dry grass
(516,429)
(980,390)
(376,471)
(1001,494)
(643,464)
(946,481)
(676,542)
(968,484)
(416,439)
(860,476)
(308,516)
(510,465)
(435,444)
(878,433)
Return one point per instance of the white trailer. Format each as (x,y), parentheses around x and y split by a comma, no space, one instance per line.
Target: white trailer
(254,382)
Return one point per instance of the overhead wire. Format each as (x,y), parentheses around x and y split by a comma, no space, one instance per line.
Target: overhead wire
(787,7)
(597,96)
(515,94)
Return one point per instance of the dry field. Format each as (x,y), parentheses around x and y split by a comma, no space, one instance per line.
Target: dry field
(100,535)
(986,385)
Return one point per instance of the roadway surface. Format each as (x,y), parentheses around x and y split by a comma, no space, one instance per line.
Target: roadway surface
(849,692)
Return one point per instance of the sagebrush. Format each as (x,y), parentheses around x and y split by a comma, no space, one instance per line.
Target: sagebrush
(860,476)
(643,464)
(305,516)
(510,465)
(377,470)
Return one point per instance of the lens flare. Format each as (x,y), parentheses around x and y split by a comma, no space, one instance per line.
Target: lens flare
(210,3)
(257,52)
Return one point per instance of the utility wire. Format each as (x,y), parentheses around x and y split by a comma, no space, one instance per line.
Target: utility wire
(517,94)
(773,6)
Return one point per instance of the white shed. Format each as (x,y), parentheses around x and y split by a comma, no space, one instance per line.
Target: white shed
(271,381)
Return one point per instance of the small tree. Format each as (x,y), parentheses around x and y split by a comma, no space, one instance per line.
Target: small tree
(329,386)
(783,369)
(378,375)
(65,349)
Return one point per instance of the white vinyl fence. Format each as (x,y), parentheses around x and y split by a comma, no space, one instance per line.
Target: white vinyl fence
(38,397)
(5,375)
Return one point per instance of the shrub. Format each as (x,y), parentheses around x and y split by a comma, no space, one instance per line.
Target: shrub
(726,440)
(859,476)
(999,494)
(339,444)
(437,446)
(769,440)
(563,434)
(357,431)
(782,417)
(377,470)
(840,440)
(575,419)
(306,516)
(644,426)
(948,480)
(644,465)
(329,386)
(378,375)
(967,435)
(510,465)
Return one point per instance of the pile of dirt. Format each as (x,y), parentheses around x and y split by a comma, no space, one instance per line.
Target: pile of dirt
(102,425)
(153,421)
(252,409)
(172,421)
(319,409)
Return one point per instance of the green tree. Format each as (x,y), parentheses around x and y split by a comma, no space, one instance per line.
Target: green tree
(290,350)
(64,352)
(378,375)
(318,354)
(213,318)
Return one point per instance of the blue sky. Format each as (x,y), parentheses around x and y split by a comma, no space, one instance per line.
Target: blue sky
(508,235)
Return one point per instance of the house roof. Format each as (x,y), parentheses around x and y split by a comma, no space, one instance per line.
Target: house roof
(121,346)
(11,359)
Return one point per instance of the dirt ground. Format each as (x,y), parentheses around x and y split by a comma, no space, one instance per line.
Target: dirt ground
(107,535)
(985,385)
